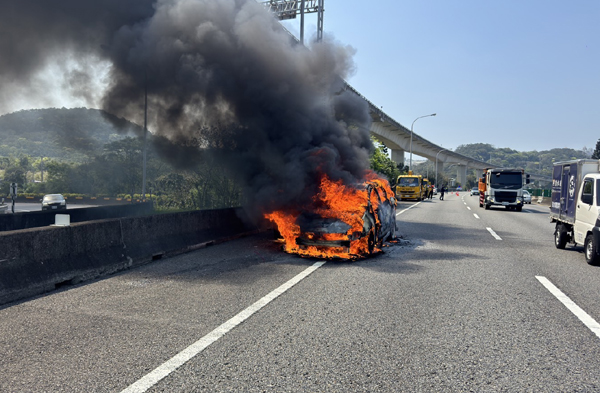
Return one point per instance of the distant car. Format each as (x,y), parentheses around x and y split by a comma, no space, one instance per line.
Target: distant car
(434,190)
(54,202)
(475,191)
(526,197)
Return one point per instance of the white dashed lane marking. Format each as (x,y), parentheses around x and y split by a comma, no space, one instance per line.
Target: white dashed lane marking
(491,231)
(574,308)
(162,371)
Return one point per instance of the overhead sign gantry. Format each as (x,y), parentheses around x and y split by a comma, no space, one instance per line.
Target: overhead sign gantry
(289,9)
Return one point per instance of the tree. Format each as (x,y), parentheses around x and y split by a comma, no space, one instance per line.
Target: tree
(59,177)
(596,153)
(383,164)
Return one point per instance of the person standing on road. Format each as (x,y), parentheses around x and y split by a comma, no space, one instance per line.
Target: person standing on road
(442,193)
(430,192)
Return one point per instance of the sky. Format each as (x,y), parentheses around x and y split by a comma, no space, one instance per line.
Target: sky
(522,74)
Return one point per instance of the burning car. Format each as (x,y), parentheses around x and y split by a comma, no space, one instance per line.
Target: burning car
(350,221)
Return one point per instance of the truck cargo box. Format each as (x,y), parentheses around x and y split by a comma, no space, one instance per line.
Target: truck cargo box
(566,182)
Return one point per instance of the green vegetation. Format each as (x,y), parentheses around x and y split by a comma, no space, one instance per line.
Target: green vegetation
(596,153)
(534,162)
(383,164)
(88,152)
(66,134)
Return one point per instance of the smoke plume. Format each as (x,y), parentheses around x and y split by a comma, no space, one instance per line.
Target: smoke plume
(222,73)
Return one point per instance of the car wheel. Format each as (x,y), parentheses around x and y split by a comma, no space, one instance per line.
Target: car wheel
(560,237)
(371,242)
(591,256)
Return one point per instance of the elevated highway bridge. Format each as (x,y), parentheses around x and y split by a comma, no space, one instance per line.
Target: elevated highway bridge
(394,135)
(398,139)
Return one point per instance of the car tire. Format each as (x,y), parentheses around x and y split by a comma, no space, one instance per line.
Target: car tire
(371,243)
(591,256)
(560,237)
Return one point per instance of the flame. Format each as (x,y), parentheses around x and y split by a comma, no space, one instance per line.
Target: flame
(335,201)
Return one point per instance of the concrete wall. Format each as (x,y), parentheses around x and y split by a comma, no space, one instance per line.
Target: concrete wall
(34,261)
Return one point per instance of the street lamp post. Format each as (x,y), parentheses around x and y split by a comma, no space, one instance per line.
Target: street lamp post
(411,138)
(436,165)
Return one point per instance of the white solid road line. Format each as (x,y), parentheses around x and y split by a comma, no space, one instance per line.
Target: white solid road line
(574,308)
(182,357)
(490,230)
(408,208)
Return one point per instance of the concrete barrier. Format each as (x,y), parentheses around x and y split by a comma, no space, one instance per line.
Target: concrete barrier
(16,221)
(38,260)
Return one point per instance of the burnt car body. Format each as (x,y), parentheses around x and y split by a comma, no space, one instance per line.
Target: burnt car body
(378,224)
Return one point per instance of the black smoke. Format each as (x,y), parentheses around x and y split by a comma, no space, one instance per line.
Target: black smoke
(219,73)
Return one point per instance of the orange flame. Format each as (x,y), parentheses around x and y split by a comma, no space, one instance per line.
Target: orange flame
(334,201)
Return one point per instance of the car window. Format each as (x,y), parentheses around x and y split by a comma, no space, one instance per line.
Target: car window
(587,195)
(53,198)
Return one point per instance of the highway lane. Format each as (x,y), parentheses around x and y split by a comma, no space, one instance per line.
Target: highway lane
(448,308)
(24,207)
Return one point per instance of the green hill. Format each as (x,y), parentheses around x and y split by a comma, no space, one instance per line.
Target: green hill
(537,162)
(67,134)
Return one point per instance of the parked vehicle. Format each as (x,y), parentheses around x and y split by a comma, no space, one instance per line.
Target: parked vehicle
(411,187)
(526,197)
(502,187)
(474,191)
(53,202)
(575,206)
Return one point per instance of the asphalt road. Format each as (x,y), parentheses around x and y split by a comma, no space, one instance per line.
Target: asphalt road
(452,307)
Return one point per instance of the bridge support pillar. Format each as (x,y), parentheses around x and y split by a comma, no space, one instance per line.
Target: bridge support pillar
(398,156)
(438,171)
(461,175)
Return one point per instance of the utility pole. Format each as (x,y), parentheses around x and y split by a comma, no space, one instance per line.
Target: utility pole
(145,132)
(302,22)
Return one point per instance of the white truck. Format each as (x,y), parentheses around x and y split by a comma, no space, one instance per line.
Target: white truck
(502,187)
(576,206)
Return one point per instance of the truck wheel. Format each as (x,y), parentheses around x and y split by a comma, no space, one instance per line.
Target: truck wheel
(519,208)
(487,207)
(560,237)
(591,257)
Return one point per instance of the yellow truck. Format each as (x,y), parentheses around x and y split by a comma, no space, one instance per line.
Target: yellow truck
(411,187)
